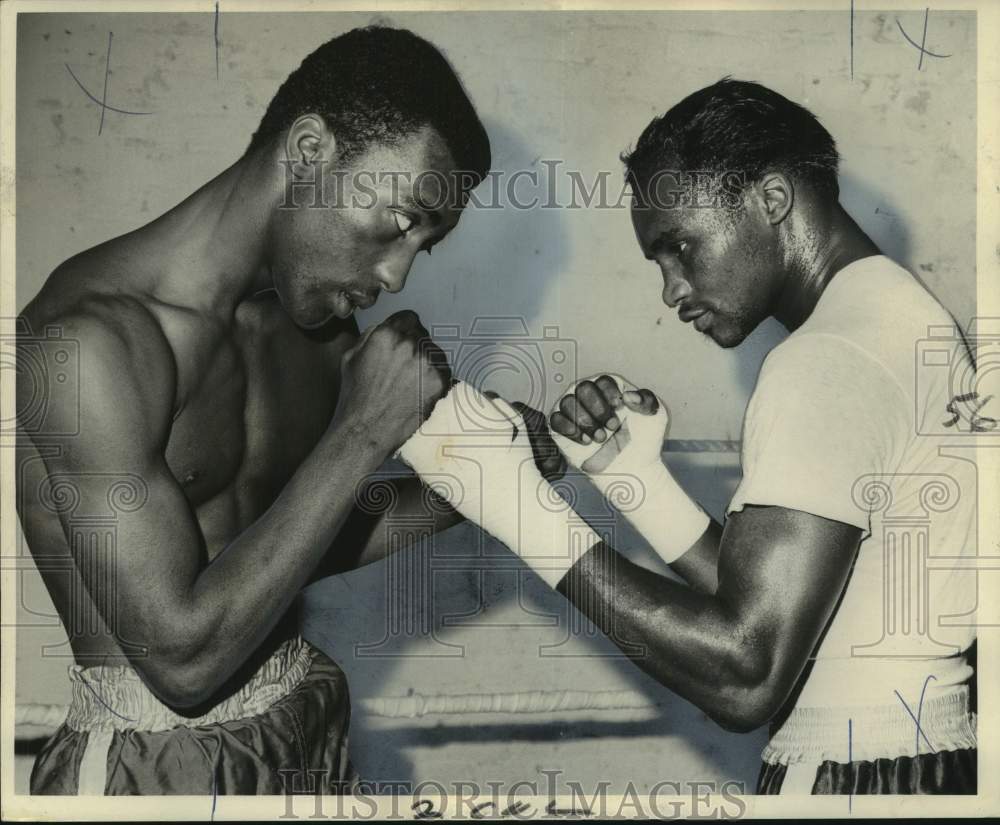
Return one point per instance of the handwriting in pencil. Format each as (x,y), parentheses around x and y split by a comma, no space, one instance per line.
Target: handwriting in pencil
(103,102)
(923,41)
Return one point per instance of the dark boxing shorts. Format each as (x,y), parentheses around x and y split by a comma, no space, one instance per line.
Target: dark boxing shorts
(284,732)
(875,750)
(944,772)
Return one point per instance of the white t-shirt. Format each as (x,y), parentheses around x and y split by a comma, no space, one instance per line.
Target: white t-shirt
(848,422)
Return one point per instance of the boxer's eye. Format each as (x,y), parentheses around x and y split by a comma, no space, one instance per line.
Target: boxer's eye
(404,223)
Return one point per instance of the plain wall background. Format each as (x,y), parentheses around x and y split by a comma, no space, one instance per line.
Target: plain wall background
(577,87)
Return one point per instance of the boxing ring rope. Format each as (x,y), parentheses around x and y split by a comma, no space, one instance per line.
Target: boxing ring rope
(48,718)
(700,445)
(532,701)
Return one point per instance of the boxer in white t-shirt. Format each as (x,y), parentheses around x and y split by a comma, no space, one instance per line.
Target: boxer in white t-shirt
(797,610)
(827,606)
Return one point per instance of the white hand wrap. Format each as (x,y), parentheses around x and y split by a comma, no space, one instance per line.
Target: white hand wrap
(483,445)
(664,514)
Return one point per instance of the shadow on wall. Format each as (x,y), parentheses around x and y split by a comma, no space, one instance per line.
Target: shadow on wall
(878,215)
(498,262)
(519,252)
(875,212)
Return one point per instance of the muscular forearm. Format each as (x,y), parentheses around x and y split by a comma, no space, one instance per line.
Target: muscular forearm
(699,566)
(689,641)
(389,514)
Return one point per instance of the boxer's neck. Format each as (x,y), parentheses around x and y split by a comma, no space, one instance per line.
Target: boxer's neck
(823,242)
(210,248)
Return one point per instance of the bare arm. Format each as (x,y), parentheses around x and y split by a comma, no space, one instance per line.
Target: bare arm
(369,534)
(593,410)
(737,653)
(699,566)
(199,621)
(737,649)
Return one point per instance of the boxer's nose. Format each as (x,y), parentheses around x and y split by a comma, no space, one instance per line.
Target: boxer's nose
(675,288)
(391,273)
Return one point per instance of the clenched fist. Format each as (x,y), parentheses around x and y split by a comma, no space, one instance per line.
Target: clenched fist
(588,422)
(614,433)
(392,379)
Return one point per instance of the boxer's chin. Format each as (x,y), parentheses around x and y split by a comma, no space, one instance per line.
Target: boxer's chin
(340,306)
(318,318)
(725,333)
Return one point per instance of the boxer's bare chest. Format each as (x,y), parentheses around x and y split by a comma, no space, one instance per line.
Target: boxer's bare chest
(253,402)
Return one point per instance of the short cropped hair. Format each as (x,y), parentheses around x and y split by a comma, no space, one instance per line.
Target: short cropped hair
(736,126)
(375,85)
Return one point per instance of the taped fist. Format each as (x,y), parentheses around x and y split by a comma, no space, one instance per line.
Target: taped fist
(594,423)
(479,450)
(614,433)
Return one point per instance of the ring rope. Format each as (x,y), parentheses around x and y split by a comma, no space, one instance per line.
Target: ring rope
(50,717)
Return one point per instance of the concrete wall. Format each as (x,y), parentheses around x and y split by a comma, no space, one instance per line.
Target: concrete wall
(573,87)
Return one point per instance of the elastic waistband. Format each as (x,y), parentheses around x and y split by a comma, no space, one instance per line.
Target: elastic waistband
(853,734)
(116,698)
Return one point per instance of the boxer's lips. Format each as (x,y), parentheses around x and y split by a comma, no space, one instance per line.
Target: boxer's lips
(342,307)
(688,315)
(346,302)
(362,300)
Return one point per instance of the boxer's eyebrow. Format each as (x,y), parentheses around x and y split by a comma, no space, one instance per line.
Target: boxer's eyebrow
(433,215)
(666,238)
(434,218)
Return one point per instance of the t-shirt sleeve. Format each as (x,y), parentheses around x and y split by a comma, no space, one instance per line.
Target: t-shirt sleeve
(824,417)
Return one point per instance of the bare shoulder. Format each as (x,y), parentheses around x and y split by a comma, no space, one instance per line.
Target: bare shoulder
(119,370)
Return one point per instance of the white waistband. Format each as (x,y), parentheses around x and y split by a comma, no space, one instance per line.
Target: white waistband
(852,734)
(116,698)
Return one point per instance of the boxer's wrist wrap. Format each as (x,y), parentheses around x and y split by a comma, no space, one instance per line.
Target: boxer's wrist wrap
(660,510)
(477,453)
(666,516)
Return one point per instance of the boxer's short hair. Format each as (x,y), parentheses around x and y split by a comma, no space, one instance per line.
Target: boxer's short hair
(736,126)
(375,85)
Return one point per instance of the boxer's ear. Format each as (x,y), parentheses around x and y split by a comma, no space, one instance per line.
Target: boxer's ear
(776,194)
(309,142)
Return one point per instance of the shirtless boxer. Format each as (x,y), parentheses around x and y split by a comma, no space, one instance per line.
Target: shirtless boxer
(223,383)
(787,614)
